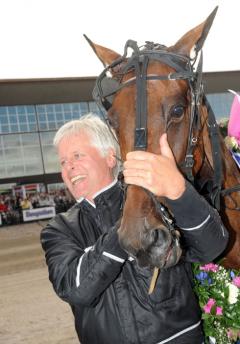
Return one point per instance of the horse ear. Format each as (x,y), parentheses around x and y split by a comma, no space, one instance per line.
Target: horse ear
(194,38)
(105,55)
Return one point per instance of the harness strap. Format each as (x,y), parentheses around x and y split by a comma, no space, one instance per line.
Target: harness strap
(172,76)
(216,156)
(195,85)
(162,210)
(141,105)
(178,62)
(228,191)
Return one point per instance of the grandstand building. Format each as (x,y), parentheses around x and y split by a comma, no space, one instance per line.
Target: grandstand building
(32,110)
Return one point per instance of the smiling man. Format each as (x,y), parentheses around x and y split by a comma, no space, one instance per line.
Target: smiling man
(106,289)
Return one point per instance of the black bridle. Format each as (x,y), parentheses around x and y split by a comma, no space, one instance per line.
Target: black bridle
(185,69)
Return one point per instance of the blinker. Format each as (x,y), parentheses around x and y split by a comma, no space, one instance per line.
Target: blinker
(104,90)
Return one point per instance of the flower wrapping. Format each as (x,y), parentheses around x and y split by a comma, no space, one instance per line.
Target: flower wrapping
(230,129)
(234,118)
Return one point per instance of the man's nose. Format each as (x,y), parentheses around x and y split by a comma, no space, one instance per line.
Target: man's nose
(70,165)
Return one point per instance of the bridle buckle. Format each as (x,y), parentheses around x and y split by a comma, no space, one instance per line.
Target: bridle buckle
(189,161)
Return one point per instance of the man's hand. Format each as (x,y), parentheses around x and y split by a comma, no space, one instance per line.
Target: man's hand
(156,173)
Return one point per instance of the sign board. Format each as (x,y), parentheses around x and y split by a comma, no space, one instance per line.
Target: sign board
(38,214)
(27,189)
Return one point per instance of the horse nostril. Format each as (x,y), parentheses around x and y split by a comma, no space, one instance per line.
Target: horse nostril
(155,235)
(161,236)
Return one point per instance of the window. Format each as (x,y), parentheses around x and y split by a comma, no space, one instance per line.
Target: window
(11,141)
(51,162)
(21,109)
(13,154)
(12,119)
(25,127)
(22,118)
(3,119)
(221,104)
(12,110)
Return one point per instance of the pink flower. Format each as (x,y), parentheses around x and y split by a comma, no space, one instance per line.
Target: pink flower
(236,281)
(219,310)
(229,333)
(209,267)
(234,118)
(233,334)
(207,308)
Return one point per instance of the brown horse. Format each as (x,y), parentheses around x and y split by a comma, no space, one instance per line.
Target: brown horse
(155,90)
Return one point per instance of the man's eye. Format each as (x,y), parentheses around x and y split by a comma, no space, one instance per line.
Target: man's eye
(62,163)
(77,156)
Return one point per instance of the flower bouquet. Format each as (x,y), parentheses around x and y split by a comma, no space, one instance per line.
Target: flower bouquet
(218,292)
(230,141)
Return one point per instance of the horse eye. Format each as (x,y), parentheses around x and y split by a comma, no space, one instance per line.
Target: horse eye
(177,111)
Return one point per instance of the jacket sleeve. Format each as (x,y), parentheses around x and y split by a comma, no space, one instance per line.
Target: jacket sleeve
(204,236)
(79,275)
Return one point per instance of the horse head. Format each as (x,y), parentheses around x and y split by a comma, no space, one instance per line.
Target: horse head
(156,89)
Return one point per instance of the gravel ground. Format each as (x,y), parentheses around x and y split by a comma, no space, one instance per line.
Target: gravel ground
(30,311)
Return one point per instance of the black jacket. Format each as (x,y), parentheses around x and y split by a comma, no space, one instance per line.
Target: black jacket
(108,292)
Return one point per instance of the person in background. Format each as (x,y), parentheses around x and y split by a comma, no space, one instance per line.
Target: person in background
(26,204)
(3,206)
(34,199)
(106,289)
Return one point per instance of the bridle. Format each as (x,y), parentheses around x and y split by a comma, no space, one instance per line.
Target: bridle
(106,87)
(185,68)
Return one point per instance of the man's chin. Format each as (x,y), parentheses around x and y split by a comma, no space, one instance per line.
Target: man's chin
(77,192)
(80,195)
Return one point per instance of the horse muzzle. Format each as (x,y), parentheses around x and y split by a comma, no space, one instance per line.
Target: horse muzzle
(157,248)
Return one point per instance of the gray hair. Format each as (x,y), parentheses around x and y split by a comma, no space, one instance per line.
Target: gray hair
(102,136)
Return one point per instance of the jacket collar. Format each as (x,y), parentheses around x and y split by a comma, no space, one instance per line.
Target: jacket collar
(105,192)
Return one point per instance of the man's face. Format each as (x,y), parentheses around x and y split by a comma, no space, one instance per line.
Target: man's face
(84,170)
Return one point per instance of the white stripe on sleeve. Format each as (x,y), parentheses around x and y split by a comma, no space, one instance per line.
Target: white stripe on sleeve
(109,255)
(79,266)
(197,227)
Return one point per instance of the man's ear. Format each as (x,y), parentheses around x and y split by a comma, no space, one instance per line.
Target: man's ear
(111,158)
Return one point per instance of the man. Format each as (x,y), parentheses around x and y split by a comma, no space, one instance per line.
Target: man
(106,289)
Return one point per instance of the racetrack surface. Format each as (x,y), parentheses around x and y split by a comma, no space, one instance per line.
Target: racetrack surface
(30,311)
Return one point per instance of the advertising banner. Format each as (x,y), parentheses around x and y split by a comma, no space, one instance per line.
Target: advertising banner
(38,214)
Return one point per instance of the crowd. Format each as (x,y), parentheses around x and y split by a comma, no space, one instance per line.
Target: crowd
(11,207)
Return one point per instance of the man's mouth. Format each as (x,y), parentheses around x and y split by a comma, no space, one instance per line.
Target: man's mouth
(77,179)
